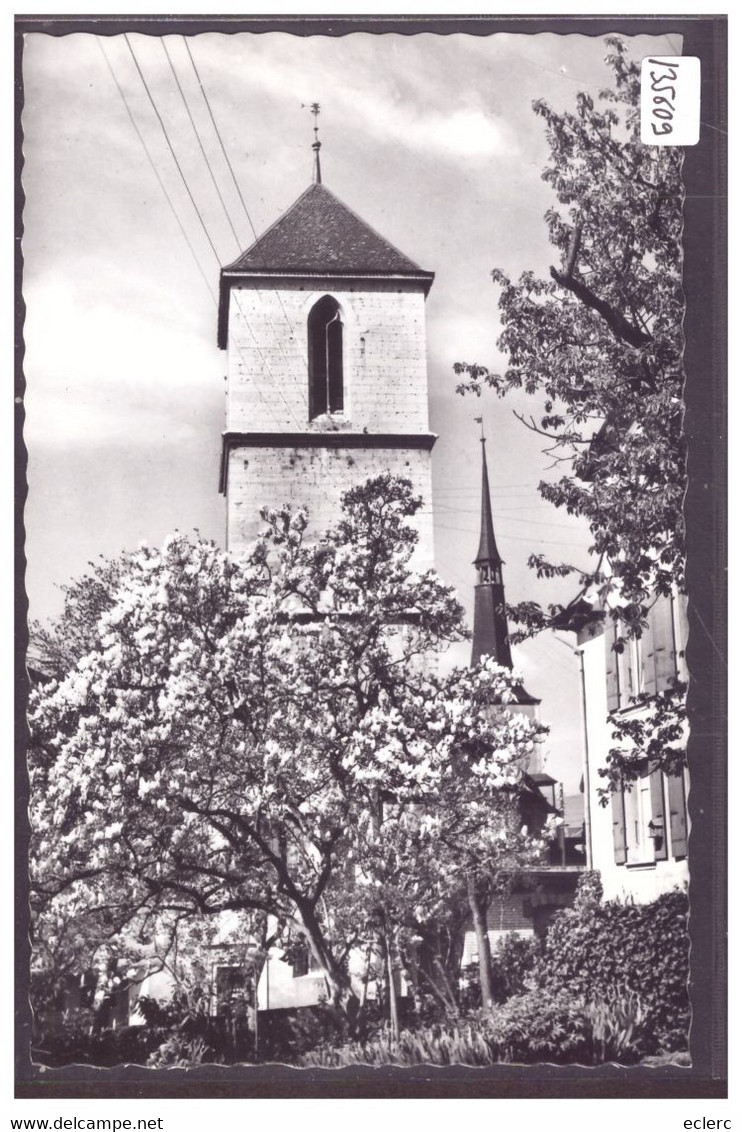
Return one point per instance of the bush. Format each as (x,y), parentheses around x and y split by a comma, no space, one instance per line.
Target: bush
(174,1033)
(513,961)
(601,952)
(180,1051)
(528,1028)
(286,1035)
(73,1043)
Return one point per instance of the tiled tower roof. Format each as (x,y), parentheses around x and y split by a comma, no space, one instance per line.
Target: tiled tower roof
(318,235)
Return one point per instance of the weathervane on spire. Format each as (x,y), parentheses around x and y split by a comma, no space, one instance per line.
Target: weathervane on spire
(316,144)
(480,421)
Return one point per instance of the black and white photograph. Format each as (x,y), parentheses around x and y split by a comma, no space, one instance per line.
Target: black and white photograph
(358,374)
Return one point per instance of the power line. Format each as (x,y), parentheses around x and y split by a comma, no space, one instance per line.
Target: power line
(219,136)
(520,487)
(277,338)
(155,171)
(200,144)
(203,224)
(242,201)
(269,405)
(517,538)
(214,180)
(172,151)
(502,512)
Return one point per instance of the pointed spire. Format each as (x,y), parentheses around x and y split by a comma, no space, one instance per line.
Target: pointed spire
(488,553)
(490,622)
(490,630)
(316,144)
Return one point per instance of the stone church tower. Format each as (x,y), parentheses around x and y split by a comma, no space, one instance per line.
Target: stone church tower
(323,321)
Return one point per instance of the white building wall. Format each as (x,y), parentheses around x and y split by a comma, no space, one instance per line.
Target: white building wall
(641,883)
(384,360)
(316,479)
(385,393)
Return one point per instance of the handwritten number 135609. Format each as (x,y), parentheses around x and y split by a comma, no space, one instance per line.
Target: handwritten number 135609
(663,107)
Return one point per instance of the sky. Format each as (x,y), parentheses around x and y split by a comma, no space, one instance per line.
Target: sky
(431,139)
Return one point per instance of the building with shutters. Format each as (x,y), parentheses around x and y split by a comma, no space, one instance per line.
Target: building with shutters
(639,842)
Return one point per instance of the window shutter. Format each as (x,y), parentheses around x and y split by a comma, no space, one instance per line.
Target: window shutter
(660,627)
(611,665)
(658,829)
(648,658)
(680,607)
(619,827)
(678,819)
(626,689)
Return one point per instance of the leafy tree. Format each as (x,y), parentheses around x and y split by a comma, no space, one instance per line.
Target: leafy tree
(75,633)
(228,739)
(656,737)
(599,343)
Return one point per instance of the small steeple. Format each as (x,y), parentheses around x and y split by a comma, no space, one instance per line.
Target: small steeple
(488,558)
(490,635)
(490,622)
(316,144)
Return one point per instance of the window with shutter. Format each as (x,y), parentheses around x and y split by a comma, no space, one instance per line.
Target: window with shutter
(657,823)
(638,815)
(611,665)
(619,827)
(660,631)
(678,815)
(649,658)
(627,688)
(301,963)
(680,626)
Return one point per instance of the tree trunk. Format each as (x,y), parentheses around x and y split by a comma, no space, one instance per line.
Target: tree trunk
(393,1012)
(439,966)
(340,991)
(483,942)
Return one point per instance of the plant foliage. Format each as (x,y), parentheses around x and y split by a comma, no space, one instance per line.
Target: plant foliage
(605,951)
(258,734)
(599,343)
(528,1028)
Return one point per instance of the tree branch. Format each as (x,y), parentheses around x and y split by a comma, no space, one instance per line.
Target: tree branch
(620,326)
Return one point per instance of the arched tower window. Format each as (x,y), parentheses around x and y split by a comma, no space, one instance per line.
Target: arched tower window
(325,330)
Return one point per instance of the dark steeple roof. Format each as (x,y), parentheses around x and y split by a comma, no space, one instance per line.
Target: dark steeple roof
(488,551)
(318,235)
(490,635)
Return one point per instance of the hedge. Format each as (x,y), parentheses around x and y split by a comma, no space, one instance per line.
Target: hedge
(599,951)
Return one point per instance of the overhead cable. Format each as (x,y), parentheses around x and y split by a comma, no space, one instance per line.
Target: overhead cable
(239,193)
(200,144)
(156,171)
(172,151)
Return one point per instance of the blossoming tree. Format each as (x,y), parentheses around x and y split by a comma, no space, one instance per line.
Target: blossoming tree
(235,724)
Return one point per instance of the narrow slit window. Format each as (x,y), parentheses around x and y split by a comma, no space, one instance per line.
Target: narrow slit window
(325,358)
